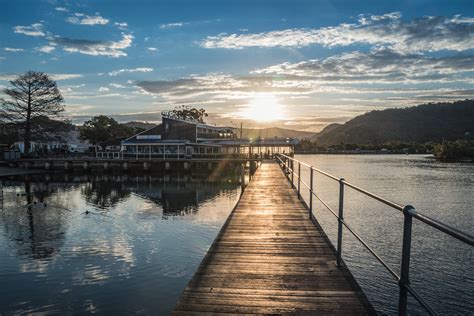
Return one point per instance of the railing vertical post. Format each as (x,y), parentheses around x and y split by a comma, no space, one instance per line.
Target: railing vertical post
(292,173)
(299,180)
(405,268)
(311,193)
(340,220)
(242,178)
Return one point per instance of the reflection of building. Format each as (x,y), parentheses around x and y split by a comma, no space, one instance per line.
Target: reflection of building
(182,200)
(178,138)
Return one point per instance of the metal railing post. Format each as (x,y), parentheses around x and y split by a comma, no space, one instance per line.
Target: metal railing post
(311,193)
(299,180)
(242,179)
(340,219)
(292,173)
(405,267)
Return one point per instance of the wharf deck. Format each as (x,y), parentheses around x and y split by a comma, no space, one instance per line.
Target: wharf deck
(270,258)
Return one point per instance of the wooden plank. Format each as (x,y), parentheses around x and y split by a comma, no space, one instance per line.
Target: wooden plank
(269,258)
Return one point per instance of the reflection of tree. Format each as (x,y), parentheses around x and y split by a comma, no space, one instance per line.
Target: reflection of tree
(179,201)
(105,193)
(38,230)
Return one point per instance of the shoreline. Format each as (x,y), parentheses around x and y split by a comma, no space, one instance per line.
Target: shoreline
(359,153)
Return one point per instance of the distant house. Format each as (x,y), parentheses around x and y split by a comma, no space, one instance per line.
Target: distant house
(70,143)
(179,138)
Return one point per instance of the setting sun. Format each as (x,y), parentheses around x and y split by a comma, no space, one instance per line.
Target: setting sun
(263,108)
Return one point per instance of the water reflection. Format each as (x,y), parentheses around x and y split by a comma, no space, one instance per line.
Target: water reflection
(105,243)
(36,229)
(106,192)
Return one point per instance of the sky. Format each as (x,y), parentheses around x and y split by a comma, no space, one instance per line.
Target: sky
(293,64)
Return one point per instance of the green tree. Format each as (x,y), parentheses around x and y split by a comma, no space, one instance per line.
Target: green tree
(453,150)
(185,112)
(31,96)
(103,130)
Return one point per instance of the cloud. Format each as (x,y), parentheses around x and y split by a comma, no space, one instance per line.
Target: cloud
(61,9)
(117,72)
(389,30)
(103,89)
(218,85)
(14,50)
(8,77)
(65,76)
(117,86)
(171,25)
(94,48)
(46,49)
(35,29)
(152,49)
(80,18)
(121,26)
(377,66)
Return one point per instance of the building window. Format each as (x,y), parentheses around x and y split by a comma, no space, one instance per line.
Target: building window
(167,127)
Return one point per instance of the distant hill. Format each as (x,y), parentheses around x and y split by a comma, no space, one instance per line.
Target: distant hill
(422,123)
(274,132)
(139,125)
(326,130)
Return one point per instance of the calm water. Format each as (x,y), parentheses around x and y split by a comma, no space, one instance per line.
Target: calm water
(105,244)
(129,244)
(441,267)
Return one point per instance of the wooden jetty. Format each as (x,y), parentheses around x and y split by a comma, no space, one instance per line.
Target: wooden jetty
(270,258)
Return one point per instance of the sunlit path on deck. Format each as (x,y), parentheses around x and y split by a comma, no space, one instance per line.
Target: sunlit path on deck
(270,258)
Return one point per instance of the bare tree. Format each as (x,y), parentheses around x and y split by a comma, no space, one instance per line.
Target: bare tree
(30,97)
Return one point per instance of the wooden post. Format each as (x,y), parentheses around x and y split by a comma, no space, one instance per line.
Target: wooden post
(242,178)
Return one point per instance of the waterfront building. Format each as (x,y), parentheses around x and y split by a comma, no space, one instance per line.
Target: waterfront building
(178,138)
(70,142)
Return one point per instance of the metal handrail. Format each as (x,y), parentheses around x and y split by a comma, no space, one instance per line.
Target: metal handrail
(408,211)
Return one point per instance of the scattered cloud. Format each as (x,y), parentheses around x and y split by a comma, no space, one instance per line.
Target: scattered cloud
(13,50)
(61,9)
(171,25)
(377,66)
(152,49)
(94,48)
(117,86)
(104,89)
(35,29)
(121,26)
(8,77)
(427,33)
(129,70)
(46,49)
(225,86)
(80,18)
(65,76)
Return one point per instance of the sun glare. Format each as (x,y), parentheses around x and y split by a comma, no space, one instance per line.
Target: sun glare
(263,108)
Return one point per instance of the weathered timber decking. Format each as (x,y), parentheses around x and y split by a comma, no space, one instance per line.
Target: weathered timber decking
(269,258)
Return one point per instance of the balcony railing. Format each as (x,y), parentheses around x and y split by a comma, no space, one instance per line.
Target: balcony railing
(292,169)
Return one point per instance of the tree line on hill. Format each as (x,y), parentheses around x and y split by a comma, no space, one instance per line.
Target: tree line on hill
(419,129)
